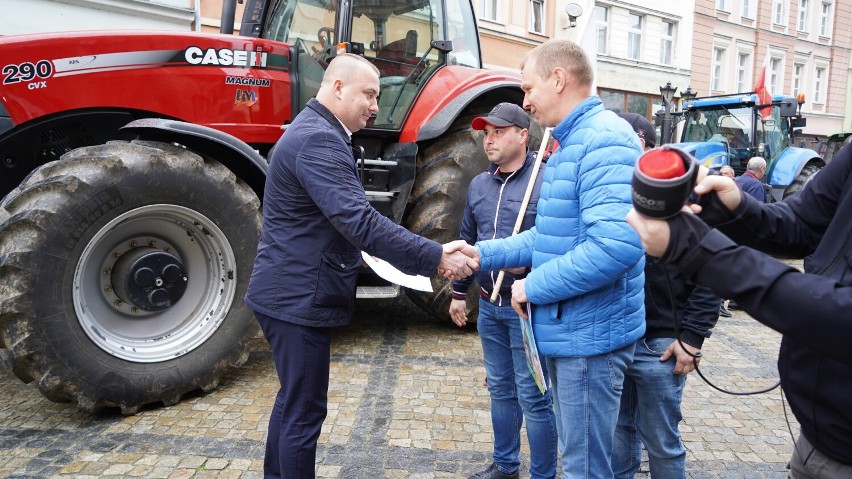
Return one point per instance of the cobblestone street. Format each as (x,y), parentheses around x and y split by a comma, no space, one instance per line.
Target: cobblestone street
(406,401)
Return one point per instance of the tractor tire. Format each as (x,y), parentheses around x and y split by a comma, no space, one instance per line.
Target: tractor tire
(445,168)
(80,229)
(806,175)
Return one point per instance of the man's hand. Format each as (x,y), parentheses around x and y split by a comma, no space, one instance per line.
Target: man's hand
(655,234)
(457,312)
(519,297)
(728,192)
(459,260)
(684,363)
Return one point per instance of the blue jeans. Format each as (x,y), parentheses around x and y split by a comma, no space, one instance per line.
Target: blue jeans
(586,395)
(514,394)
(650,413)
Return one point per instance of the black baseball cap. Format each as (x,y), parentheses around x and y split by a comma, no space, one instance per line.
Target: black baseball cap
(503,115)
(642,127)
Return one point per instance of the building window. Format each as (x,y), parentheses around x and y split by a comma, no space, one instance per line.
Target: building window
(825,19)
(602,28)
(778,12)
(718,62)
(490,9)
(537,16)
(774,75)
(798,69)
(621,101)
(819,85)
(802,18)
(634,36)
(742,72)
(722,5)
(747,8)
(667,42)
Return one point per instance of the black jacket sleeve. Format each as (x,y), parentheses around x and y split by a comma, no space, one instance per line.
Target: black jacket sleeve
(811,308)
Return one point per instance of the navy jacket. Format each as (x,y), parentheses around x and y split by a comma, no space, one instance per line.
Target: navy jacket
(316,219)
(490,212)
(813,311)
(751,185)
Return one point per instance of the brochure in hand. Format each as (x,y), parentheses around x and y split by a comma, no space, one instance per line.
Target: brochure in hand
(531,351)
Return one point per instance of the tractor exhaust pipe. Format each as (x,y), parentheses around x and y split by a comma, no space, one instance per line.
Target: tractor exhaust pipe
(229,11)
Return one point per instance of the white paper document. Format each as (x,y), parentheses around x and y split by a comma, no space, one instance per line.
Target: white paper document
(389,272)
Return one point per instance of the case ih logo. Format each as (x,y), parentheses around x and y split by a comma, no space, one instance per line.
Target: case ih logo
(225,57)
(245,97)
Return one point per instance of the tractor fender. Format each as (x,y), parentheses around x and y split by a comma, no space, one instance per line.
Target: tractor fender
(449,92)
(786,168)
(243,160)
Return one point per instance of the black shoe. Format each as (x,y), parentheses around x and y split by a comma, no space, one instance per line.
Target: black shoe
(733,304)
(493,473)
(723,312)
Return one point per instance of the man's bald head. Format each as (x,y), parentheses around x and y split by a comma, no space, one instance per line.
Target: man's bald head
(350,90)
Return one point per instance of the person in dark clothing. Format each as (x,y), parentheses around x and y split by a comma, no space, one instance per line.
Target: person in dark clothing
(653,384)
(316,219)
(811,309)
(494,198)
(750,182)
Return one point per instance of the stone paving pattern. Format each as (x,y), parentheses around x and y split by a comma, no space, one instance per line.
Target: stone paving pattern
(406,401)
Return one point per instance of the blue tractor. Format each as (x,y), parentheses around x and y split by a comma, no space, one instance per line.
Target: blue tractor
(731,129)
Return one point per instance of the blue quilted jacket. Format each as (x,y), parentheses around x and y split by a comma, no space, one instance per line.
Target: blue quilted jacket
(587,281)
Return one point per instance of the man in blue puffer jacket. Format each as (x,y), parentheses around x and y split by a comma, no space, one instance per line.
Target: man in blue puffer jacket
(586,284)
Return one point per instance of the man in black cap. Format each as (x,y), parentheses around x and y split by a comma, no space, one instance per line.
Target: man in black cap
(643,128)
(653,384)
(493,200)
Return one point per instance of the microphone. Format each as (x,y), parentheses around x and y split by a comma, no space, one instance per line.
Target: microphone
(663,180)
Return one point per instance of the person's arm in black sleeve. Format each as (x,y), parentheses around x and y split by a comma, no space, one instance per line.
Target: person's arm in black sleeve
(701,315)
(810,309)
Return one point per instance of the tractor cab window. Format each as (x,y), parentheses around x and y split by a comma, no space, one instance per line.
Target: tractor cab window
(773,133)
(308,26)
(396,36)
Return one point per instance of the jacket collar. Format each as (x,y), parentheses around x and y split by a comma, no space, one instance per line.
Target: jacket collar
(332,120)
(528,162)
(569,122)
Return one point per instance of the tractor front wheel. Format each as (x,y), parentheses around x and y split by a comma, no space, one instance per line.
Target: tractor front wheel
(124,270)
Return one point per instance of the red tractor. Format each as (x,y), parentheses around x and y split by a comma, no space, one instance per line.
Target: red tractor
(134,165)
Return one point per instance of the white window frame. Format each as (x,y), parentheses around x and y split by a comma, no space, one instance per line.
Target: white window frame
(634,36)
(798,77)
(668,34)
(775,75)
(779,10)
(490,7)
(825,19)
(717,70)
(748,9)
(722,6)
(820,84)
(743,63)
(802,16)
(538,4)
(602,25)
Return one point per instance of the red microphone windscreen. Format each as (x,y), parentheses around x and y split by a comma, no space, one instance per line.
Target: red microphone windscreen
(662,164)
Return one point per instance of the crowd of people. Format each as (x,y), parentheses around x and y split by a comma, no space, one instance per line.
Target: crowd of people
(619,304)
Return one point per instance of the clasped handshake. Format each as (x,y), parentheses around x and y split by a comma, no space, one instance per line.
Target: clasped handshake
(459,260)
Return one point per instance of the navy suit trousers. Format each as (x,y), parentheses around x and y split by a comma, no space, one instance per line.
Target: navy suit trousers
(302,356)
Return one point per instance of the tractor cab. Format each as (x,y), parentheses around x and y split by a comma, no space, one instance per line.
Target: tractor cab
(407,40)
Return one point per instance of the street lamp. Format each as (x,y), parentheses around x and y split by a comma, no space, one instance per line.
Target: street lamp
(688,94)
(667,92)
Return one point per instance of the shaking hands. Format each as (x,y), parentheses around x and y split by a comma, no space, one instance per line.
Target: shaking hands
(459,260)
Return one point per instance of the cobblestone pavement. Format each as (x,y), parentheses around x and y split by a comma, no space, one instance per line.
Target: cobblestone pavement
(406,401)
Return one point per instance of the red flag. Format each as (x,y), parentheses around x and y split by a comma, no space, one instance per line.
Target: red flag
(763,95)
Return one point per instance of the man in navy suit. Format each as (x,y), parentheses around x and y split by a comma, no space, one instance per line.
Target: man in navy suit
(316,221)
